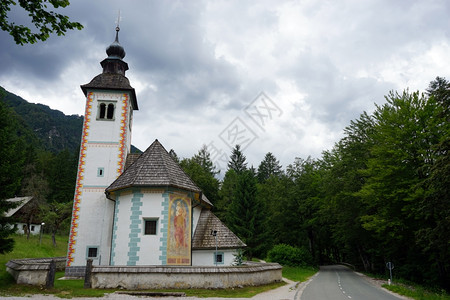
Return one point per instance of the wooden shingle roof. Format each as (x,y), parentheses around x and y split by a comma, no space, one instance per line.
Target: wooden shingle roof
(154,168)
(20,202)
(111,81)
(203,239)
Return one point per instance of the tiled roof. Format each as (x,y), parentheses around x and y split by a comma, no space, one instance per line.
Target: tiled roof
(111,81)
(154,168)
(203,239)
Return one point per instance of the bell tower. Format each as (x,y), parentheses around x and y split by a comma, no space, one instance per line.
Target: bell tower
(105,144)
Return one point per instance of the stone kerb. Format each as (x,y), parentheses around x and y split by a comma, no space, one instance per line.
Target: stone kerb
(184,277)
(33,270)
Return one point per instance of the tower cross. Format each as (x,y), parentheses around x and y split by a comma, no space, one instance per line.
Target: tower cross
(118,19)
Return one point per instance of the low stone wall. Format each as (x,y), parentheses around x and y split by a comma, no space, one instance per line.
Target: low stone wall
(33,270)
(177,277)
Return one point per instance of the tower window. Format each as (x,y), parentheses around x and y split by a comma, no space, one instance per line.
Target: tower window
(106,110)
(100,172)
(102,110)
(110,114)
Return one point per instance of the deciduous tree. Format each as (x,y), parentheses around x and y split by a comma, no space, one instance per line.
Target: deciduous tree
(43,19)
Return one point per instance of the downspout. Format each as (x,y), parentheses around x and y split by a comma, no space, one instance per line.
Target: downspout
(108,196)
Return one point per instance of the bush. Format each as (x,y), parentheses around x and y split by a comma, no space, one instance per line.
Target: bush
(287,255)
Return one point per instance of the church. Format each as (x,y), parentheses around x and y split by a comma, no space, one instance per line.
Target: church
(135,209)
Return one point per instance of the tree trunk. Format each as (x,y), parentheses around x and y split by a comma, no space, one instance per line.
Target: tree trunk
(54,238)
(365,261)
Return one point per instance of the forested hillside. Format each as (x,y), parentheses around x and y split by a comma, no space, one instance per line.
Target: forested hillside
(381,194)
(54,130)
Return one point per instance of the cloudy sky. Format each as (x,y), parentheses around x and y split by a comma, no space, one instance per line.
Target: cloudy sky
(275,76)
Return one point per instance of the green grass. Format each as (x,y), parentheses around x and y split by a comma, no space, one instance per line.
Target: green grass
(299,274)
(417,292)
(31,248)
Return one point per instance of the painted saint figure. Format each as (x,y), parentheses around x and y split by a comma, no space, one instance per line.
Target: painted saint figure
(179,223)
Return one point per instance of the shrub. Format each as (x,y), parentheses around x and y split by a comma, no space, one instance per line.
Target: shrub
(287,255)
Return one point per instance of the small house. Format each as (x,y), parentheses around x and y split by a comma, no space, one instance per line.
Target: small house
(23,214)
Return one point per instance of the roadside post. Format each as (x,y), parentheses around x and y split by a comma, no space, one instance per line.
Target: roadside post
(390,266)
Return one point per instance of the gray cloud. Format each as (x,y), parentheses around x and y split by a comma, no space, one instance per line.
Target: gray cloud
(196,65)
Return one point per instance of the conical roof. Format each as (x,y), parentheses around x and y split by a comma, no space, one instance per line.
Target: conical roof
(154,168)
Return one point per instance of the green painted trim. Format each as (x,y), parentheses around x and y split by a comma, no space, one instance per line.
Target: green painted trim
(135,221)
(164,225)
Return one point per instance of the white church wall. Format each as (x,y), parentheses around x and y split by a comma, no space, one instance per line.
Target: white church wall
(121,228)
(151,243)
(130,244)
(94,224)
(206,257)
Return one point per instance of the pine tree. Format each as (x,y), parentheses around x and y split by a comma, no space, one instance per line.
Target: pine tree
(237,160)
(202,171)
(246,214)
(203,158)
(270,166)
(11,164)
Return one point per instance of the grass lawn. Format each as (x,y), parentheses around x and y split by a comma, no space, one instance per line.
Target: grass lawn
(417,292)
(299,274)
(74,288)
(31,248)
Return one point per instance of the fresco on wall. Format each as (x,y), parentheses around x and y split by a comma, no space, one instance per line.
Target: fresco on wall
(179,235)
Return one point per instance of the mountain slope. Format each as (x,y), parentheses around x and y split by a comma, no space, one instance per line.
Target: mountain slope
(53,129)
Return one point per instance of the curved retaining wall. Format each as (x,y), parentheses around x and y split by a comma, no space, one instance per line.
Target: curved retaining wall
(33,270)
(170,277)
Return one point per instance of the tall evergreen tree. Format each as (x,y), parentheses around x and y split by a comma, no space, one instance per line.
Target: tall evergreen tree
(202,171)
(203,158)
(11,164)
(246,214)
(237,160)
(270,166)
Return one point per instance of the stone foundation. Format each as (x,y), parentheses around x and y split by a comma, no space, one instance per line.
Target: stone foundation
(181,277)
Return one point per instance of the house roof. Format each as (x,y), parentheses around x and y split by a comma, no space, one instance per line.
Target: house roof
(154,168)
(21,200)
(203,239)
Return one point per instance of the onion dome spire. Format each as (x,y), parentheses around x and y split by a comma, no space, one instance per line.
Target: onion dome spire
(115,50)
(114,63)
(113,75)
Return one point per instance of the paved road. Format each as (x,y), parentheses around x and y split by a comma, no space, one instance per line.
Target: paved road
(341,283)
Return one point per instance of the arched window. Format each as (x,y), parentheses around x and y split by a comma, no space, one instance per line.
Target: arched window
(110,114)
(106,110)
(102,111)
